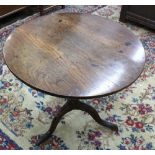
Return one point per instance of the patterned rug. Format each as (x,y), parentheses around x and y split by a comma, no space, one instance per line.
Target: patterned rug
(26,113)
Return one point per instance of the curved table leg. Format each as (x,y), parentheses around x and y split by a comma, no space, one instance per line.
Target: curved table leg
(91,111)
(74,104)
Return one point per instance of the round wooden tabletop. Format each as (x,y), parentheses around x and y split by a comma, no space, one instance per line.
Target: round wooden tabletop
(74,55)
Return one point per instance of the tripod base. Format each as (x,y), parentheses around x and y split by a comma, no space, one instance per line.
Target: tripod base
(74,104)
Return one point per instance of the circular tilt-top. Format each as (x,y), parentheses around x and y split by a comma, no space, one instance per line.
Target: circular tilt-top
(74,55)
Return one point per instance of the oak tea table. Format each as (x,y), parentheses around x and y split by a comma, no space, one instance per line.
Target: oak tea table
(74,56)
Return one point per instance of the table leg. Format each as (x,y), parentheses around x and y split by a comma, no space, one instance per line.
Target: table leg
(75,104)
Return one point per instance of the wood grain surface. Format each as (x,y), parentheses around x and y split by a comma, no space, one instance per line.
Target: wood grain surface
(74,55)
